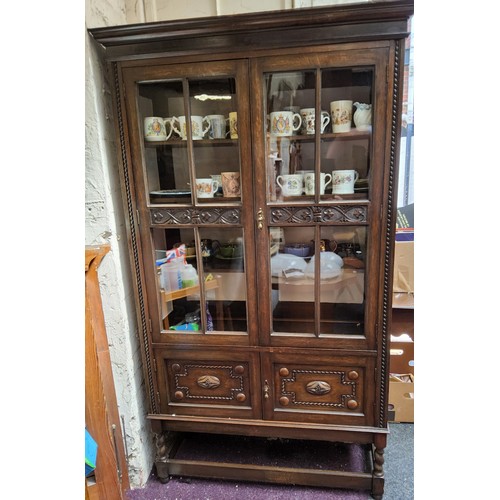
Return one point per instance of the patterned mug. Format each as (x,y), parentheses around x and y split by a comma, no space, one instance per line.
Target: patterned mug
(343,181)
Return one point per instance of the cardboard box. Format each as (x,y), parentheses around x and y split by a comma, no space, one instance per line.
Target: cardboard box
(401,397)
(402,354)
(403,267)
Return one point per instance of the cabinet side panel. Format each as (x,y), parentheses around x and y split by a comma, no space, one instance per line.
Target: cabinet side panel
(395,87)
(132,230)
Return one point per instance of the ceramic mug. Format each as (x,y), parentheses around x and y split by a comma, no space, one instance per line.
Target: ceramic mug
(231,184)
(343,181)
(282,123)
(309,183)
(309,120)
(197,129)
(155,129)
(341,116)
(290,184)
(303,174)
(233,124)
(218,125)
(206,188)
(218,178)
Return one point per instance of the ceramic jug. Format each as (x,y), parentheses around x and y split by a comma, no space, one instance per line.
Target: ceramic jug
(362,116)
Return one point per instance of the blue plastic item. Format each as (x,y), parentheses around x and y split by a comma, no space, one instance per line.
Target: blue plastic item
(90,453)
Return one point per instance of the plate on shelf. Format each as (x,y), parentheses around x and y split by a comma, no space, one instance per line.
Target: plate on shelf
(171,193)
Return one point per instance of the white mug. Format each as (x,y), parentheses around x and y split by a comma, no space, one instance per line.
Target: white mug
(155,129)
(218,178)
(343,181)
(309,180)
(205,188)
(218,125)
(309,118)
(197,129)
(282,123)
(303,174)
(233,124)
(290,184)
(341,116)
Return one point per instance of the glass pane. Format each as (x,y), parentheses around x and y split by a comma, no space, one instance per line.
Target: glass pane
(216,147)
(342,271)
(292,298)
(295,288)
(345,147)
(223,261)
(165,154)
(178,280)
(290,132)
(219,254)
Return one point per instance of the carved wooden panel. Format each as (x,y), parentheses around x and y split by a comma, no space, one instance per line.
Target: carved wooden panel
(196,215)
(347,214)
(336,389)
(209,383)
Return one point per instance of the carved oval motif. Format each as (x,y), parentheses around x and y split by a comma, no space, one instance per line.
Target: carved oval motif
(318,387)
(208,382)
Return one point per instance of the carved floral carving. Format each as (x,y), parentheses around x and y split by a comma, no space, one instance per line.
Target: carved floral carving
(208,382)
(187,379)
(196,216)
(342,391)
(318,387)
(310,214)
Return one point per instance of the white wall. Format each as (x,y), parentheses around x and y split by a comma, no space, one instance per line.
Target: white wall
(104,220)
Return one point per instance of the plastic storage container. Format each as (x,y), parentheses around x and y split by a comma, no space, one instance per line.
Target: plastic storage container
(189,276)
(170,275)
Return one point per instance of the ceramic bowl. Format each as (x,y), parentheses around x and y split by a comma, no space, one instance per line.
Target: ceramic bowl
(330,266)
(299,249)
(283,261)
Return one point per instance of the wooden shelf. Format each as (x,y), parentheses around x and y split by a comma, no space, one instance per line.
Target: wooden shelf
(185,292)
(183,143)
(329,197)
(351,135)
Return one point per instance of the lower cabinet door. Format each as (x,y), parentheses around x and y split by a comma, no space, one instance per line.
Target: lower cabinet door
(319,388)
(209,382)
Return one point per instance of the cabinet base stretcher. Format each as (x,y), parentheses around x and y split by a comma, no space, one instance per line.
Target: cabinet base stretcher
(357,464)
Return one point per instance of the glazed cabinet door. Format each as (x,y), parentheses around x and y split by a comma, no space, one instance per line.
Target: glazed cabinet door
(190,145)
(319,134)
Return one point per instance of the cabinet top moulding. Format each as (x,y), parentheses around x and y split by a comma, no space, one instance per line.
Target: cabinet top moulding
(266,30)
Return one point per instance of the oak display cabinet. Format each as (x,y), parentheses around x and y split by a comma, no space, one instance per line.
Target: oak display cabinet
(284,332)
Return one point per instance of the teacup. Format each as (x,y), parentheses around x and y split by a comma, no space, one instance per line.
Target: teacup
(309,120)
(197,129)
(341,116)
(218,125)
(282,123)
(343,181)
(231,184)
(155,129)
(206,188)
(309,183)
(290,184)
